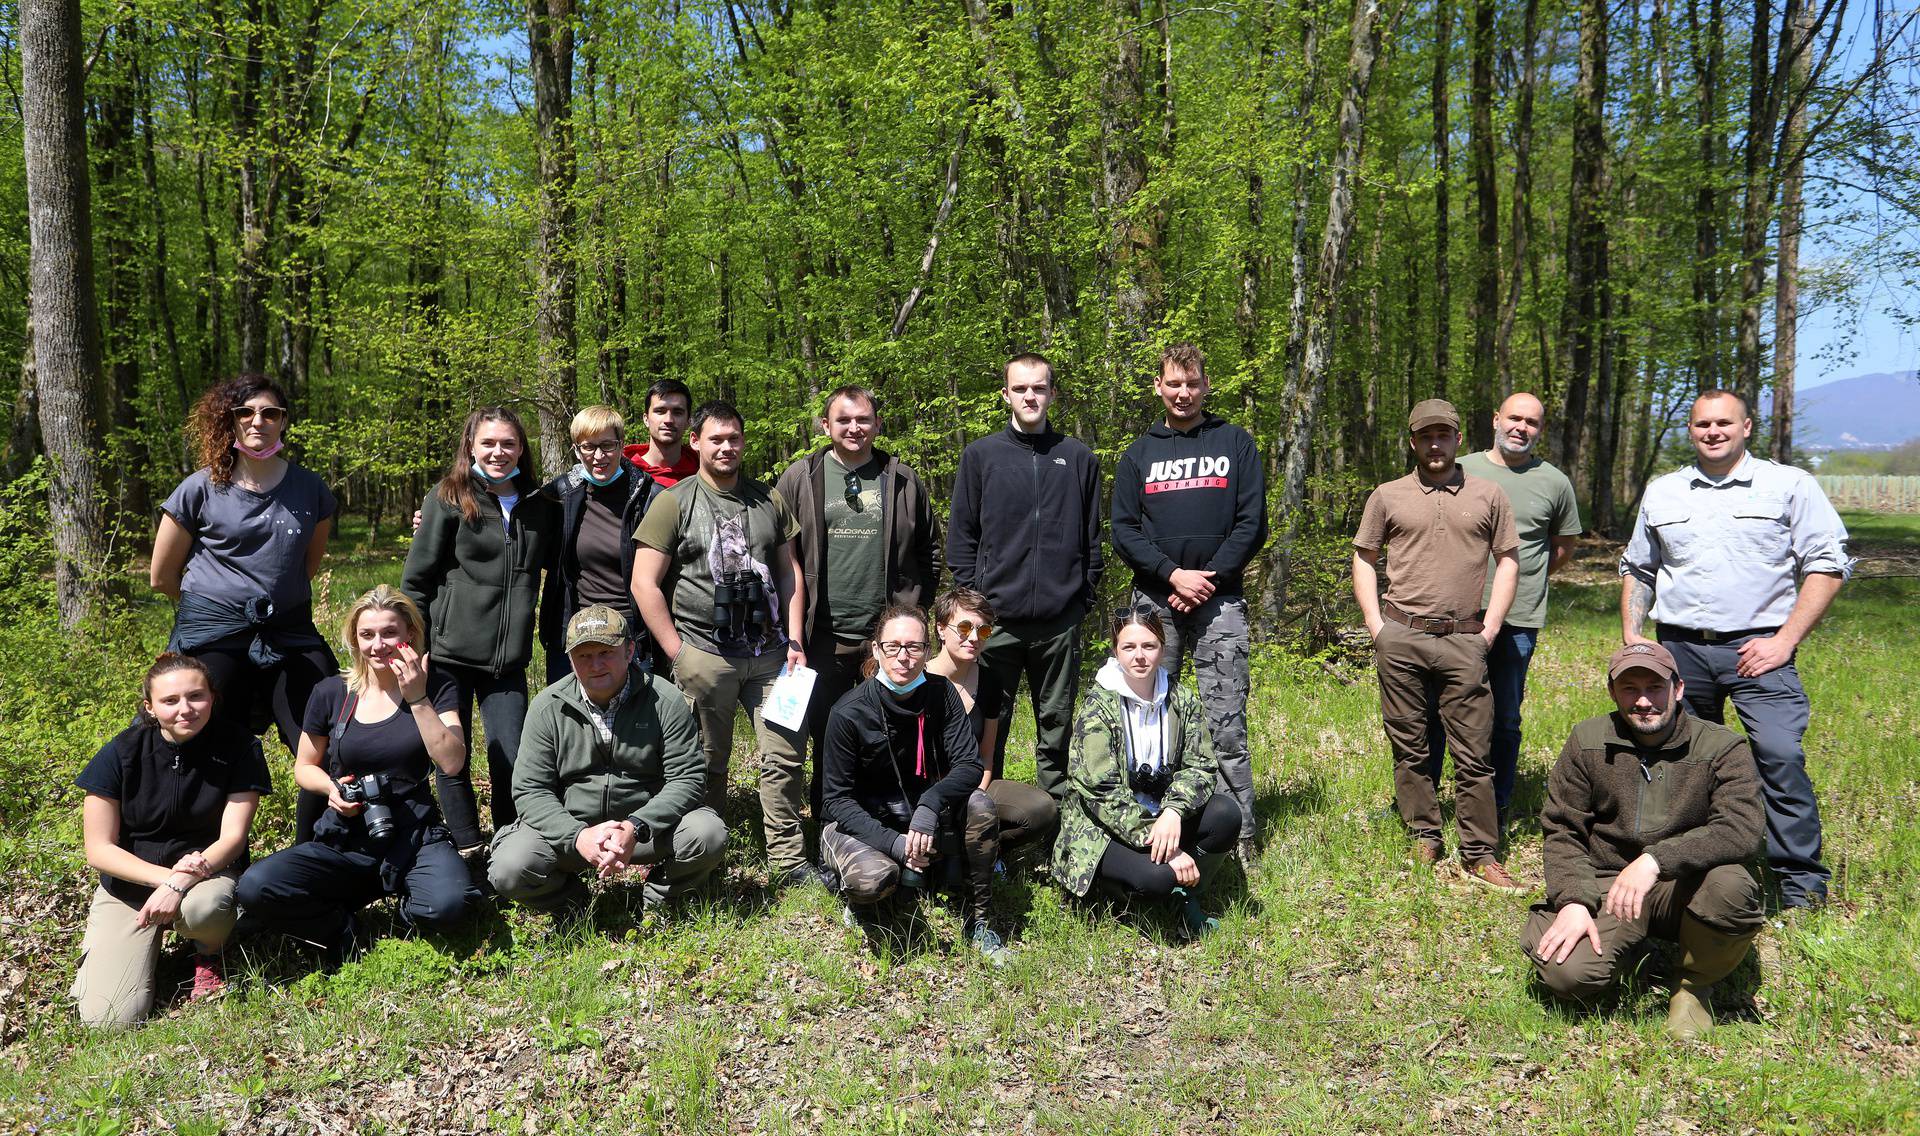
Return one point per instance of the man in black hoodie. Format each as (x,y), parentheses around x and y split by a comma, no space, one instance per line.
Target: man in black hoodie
(1025,531)
(1189,513)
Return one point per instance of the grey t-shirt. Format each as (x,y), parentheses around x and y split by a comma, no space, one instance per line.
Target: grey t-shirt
(246,543)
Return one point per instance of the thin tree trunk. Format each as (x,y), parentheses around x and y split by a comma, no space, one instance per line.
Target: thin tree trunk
(120,338)
(1706,197)
(1520,227)
(948,194)
(1134,235)
(1585,314)
(66,344)
(1786,303)
(1486,193)
(251,213)
(23,434)
(159,302)
(550,52)
(1442,207)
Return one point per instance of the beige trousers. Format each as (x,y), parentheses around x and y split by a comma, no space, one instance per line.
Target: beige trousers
(117,958)
(715,686)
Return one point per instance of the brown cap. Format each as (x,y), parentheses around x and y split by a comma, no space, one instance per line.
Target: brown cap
(1432,412)
(1646,656)
(597,624)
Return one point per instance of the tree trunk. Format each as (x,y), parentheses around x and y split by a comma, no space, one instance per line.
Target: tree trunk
(1585,314)
(1442,168)
(1706,197)
(550,51)
(1786,302)
(66,337)
(120,339)
(1309,385)
(23,434)
(1134,233)
(1520,228)
(1486,193)
(251,212)
(159,302)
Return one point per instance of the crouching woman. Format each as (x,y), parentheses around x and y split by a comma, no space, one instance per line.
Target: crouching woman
(168,804)
(902,786)
(371,739)
(1141,817)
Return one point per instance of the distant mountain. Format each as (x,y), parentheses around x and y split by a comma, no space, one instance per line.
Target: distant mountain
(1866,412)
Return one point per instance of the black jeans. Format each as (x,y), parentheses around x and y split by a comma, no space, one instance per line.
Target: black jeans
(309,891)
(240,685)
(1134,871)
(838,673)
(503,708)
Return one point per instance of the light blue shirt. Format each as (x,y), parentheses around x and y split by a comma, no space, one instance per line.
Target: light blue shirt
(1727,554)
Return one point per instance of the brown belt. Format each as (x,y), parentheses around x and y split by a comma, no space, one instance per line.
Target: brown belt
(1430,624)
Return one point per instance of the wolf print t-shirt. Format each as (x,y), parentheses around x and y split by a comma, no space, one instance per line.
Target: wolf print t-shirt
(735,537)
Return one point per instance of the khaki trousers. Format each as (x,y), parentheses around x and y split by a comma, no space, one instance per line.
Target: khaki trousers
(117,959)
(1449,672)
(1726,899)
(715,686)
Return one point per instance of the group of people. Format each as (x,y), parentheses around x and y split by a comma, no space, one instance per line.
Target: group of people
(670,590)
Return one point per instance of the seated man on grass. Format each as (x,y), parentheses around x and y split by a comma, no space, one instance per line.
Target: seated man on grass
(1651,817)
(610,778)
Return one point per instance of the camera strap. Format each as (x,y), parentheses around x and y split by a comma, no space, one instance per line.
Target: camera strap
(339,728)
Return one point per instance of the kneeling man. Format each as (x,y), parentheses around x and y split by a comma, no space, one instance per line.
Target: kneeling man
(1651,817)
(610,777)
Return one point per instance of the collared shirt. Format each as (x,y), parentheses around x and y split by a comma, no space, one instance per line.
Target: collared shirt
(602,716)
(1727,554)
(1437,539)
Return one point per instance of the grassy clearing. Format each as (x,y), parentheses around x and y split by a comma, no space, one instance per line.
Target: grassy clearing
(1347,993)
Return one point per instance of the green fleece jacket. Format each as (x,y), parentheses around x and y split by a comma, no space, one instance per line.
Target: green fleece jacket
(652,771)
(1693,803)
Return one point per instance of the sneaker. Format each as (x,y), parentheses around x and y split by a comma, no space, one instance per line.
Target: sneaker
(1194,923)
(1489,872)
(209,976)
(987,941)
(1425,854)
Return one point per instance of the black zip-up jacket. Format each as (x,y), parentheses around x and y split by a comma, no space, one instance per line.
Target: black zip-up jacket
(561,596)
(477,584)
(1025,525)
(872,751)
(909,536)
(1190,499)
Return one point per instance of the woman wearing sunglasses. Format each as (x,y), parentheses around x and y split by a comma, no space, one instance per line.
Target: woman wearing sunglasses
(963,619)
(903,800)
(1141,817)
(238,544)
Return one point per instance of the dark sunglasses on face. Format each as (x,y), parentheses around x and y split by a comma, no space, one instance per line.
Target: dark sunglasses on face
(263,413)
(853,492)
(968,629)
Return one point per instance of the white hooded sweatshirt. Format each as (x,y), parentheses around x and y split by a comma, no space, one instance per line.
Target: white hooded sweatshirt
(1143,723)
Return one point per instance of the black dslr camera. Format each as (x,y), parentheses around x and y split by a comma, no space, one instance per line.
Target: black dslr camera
(370,790)
(739,607)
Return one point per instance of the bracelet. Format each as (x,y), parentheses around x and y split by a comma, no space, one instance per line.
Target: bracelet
(173,887)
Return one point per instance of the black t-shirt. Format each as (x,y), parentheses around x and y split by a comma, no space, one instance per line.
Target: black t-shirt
(391,748)
(172,796)
(987,696)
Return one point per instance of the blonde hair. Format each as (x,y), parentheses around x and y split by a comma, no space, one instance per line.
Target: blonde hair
(384,597)
(597,419)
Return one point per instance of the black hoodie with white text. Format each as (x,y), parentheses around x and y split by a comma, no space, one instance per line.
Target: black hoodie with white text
(1192,499)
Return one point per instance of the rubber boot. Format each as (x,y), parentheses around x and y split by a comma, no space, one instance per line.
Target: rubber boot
(1706,957)
(1195,923)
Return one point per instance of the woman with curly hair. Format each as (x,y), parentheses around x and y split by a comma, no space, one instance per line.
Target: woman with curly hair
(238,544)
(486,534)
(168,804)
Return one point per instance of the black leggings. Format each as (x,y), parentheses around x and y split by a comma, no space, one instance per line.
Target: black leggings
(1135,872)
(502,699)
(240,685)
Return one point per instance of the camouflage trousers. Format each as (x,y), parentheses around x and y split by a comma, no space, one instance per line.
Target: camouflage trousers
(1216,635)
(963,858)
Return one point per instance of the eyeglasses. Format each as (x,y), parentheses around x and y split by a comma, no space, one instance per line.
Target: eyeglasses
(967,629)
(592,449)
(853,493)
(263,413)
(895,650)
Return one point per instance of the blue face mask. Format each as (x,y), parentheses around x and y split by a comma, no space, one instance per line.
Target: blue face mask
(587,470)
(482,475)
(901,688)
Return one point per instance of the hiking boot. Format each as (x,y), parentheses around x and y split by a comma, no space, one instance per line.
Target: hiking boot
(1426,854)
(1194,923)
(1490,872)
(800,875)
(987,941)
(1246,855)
(209,976)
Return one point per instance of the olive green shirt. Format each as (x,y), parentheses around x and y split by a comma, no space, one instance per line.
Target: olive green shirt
(1543,508)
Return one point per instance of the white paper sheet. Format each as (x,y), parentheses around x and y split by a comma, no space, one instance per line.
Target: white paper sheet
(787,702)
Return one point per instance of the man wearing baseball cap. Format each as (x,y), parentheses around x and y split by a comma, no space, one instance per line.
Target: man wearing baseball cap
(1651,816)
(611,778)
(1437,528)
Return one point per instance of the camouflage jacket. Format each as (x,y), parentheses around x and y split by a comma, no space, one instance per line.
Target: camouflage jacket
(1100,807)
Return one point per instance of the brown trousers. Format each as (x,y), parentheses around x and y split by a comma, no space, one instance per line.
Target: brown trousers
(1417,669)
(1726,899)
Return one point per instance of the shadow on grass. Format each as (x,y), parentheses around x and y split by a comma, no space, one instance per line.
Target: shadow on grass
(1644,982)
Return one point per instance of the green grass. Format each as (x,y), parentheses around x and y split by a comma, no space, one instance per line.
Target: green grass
(1346,993)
